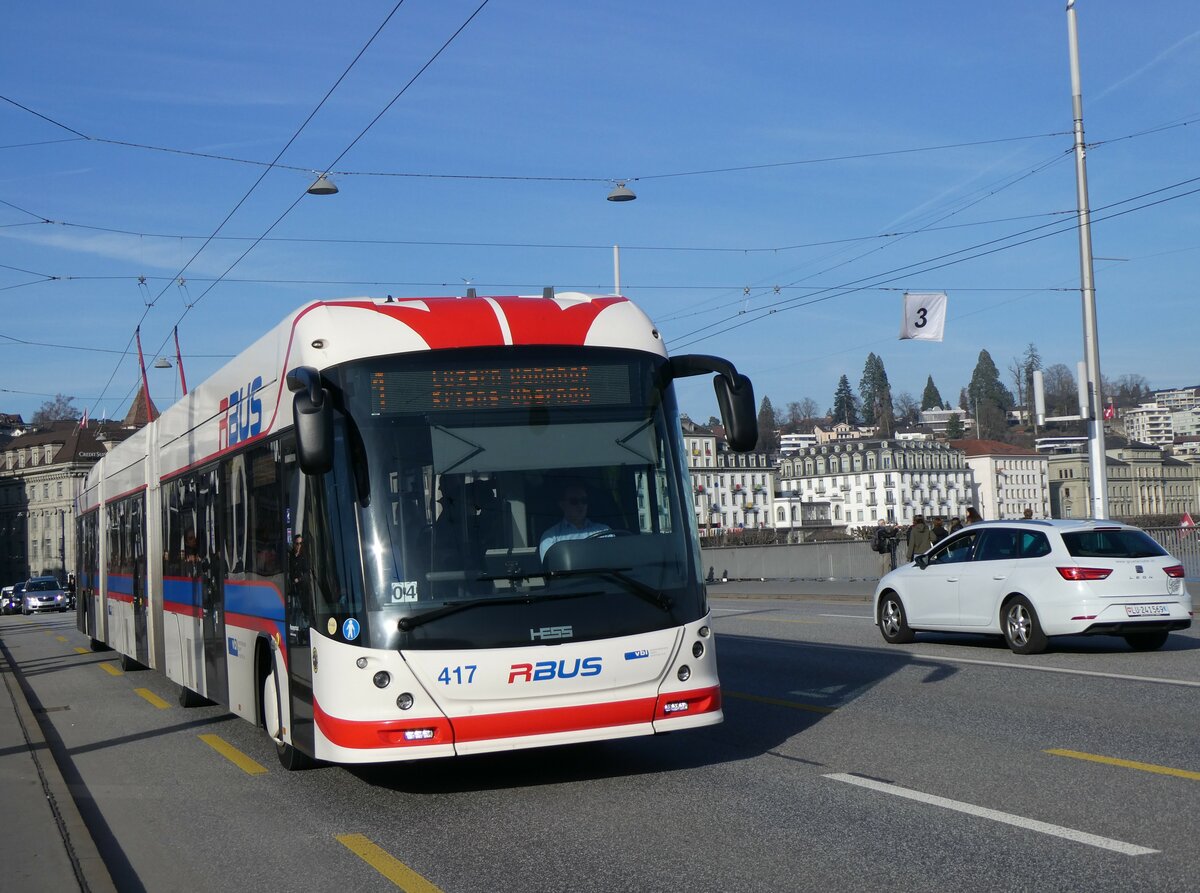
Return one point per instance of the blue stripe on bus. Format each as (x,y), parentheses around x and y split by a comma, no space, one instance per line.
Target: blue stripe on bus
(255,599)
(121,584)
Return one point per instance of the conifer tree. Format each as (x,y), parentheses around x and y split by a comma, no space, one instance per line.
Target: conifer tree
(845,404)
(930,399)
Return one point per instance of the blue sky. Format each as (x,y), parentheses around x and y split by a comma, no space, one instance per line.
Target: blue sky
(744,235)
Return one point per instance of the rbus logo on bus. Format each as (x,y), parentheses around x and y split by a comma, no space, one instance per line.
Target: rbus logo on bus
(240,415)
(549,669)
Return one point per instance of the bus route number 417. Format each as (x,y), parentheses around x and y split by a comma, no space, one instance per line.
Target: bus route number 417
(457,675)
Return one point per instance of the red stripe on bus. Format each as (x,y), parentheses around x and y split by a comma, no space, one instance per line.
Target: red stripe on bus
(360,735)
(120,597)
(549,721)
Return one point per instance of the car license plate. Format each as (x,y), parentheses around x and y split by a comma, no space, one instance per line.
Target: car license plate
(1146,610)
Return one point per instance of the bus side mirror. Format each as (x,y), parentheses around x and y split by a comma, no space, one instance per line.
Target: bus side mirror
(735,396)
(738,415)
(312,414)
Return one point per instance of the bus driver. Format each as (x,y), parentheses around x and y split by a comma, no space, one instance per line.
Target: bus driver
(575,524)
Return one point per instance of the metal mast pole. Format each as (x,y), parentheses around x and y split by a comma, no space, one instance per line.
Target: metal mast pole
(1091,344)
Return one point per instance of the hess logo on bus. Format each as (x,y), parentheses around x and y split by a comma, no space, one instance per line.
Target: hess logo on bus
(554,669)
(240,415)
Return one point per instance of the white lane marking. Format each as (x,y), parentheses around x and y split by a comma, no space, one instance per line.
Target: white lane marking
(851,616)
(1008,666)
(1007,818)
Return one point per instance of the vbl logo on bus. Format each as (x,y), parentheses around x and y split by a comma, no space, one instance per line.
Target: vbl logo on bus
(240,415)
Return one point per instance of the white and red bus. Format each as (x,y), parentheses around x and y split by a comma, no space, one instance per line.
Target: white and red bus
(339,536)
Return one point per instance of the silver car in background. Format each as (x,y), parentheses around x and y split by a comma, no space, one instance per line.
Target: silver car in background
(44,594)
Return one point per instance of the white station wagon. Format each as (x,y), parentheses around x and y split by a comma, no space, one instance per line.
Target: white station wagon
(1028,580)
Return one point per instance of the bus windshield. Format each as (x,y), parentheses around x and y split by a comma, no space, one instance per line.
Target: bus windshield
(519,496)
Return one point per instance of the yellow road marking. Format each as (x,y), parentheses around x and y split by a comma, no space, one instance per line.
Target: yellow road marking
(152,698)
(61,638)
(1128,764)
(386,864)
(111,669)
(81,650)
(778,702)
(235,756)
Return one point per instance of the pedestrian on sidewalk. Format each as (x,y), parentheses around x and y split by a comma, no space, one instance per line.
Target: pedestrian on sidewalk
(919,538)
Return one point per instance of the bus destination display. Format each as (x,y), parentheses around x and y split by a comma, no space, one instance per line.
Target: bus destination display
(515,387)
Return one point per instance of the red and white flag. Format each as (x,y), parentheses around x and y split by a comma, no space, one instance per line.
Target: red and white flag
(1187,520)
(83,421)
(1110,412)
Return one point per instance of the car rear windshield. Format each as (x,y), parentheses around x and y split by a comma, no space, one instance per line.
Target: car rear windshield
(1115,543)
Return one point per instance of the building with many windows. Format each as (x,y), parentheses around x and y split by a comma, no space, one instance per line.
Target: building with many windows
(40,474)
(1149,423)
(1142,480)
(866,480)
(730,491)
(1008,479)
(1176,399)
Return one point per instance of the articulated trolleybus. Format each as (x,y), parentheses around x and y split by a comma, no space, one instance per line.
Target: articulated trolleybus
(342,536)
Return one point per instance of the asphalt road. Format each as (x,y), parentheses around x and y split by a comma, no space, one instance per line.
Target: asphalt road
(843,764)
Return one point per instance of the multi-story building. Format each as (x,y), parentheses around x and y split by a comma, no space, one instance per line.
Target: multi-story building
(1178,398)
(731,491)
(1185,422)
(936,420)
(842,431)
(789,443)
(1142,480)
(866,480)
(1008,479)
(1149,423)
(40,475)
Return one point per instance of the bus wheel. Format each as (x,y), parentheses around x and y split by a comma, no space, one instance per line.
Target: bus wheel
(289,758)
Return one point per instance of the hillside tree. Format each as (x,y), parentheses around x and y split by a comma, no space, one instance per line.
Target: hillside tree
(989,397)
(931,399)
(876,393)
(845,404)
(768,427)
(57,410)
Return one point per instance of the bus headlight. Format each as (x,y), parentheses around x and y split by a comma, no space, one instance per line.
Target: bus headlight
(685,673)
(697,649)
(382,679)
(404,701)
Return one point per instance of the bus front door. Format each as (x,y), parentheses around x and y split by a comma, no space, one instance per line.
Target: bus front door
(298,606)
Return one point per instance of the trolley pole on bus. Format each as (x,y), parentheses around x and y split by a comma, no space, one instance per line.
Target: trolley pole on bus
(1091,345)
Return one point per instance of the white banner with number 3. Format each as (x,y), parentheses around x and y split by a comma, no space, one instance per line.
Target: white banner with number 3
(924,316)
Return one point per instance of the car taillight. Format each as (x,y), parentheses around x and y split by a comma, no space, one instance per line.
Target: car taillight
(1175,570)
(1084,573)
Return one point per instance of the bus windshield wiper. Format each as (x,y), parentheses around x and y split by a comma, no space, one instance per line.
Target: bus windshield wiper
(407,624)
(628,583)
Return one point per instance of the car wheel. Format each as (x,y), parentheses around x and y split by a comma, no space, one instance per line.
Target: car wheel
(1147,641)
(289,758)
(1022,630)
(893,623)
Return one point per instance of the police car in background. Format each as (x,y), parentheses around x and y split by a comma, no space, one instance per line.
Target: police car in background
(1030,580)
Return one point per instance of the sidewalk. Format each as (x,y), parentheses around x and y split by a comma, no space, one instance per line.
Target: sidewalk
(46,845)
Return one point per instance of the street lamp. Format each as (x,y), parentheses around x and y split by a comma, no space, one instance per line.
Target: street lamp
(1091,345)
